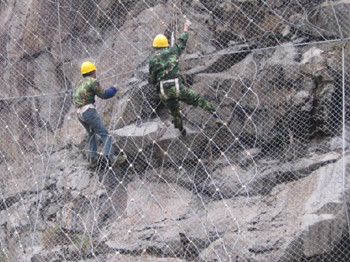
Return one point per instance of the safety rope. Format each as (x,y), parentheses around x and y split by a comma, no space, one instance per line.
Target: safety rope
(177,11)
(173,24)
(344,140)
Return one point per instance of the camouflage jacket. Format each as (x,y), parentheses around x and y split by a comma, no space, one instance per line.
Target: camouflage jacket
(164,63)
(86,90)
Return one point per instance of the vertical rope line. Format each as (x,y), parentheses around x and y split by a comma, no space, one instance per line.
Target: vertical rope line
(336,19)
(344,141)
(37,213)
(59,29)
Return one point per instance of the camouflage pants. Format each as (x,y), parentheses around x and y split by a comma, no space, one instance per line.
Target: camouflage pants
(186,95)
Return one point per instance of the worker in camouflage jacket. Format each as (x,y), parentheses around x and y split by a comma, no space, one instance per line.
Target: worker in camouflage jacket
(84,100)
(164,74)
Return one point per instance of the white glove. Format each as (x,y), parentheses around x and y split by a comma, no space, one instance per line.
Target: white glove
(188,22)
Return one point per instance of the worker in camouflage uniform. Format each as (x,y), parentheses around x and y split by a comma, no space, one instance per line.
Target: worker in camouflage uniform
(164,74)
(84,100)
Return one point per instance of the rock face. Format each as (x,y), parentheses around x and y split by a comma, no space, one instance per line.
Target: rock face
(271,184)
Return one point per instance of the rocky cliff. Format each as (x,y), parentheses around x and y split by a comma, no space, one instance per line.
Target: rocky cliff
(270,185)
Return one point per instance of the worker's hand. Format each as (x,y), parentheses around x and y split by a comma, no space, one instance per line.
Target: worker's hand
(187,25)
(110,92)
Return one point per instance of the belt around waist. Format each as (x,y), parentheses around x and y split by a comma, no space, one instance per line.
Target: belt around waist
(82,109)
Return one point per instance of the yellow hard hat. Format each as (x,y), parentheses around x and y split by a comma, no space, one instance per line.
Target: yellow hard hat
(160,41)
(87,67)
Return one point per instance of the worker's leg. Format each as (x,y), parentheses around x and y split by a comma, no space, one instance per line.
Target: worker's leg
(91,141)
(191,97)
(174,108)
(94,121)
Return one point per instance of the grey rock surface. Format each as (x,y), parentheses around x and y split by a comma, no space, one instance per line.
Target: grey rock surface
(269,185)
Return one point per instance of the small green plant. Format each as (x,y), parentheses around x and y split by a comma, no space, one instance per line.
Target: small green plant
(53,236)
(337,46)
(82,242)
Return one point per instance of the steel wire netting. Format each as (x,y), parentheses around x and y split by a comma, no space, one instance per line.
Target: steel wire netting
(268,184)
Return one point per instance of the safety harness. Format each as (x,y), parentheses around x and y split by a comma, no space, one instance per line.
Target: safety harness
(83,109)
(169,81)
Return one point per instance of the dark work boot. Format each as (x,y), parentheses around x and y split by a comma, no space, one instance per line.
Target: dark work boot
(116,161)
(93,162)
(218,120)
(182,131)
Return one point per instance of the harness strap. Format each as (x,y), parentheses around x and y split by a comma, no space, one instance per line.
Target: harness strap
(173,81)
(82,110)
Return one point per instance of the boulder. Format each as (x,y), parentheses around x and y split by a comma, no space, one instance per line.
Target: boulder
(156,142)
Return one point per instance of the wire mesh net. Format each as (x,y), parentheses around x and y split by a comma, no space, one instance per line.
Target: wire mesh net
(268,184)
